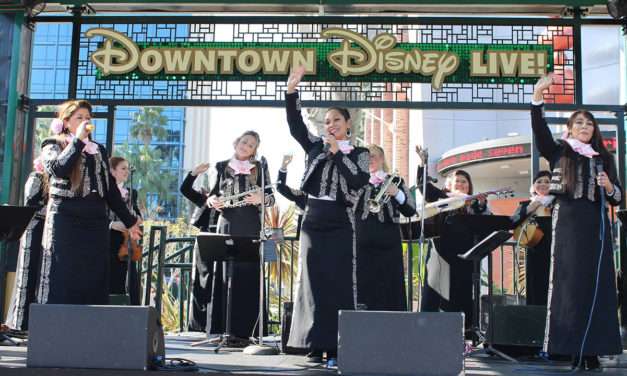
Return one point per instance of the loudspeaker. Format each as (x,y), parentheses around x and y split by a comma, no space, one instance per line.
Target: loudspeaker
(400,343)
(79,336)
(517,325)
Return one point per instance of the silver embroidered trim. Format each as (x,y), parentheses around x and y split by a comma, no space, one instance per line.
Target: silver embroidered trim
(366,193)
(46,256)
(591,179)
(325,178)
(616,195)
(363,161)
(579,181)
(554,220)
(344,187)
(311,168)
(334,182)
(351,218)
(351,166)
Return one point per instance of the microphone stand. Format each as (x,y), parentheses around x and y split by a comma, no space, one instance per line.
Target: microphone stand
(260,348)
(421,240)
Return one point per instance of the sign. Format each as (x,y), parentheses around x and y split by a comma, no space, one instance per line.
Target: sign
(354,58)
(483,155)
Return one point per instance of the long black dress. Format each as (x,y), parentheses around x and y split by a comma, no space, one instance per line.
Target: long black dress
(75,263)
(538,258)
(240,221)
(29,256)
(448,279)
(380,275)
(202,272)
(576,251)
(327,280)
(118,268)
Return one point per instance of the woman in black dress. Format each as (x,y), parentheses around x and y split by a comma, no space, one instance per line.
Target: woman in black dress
(582,318)
(448,279)
(119,263)
(202,272)
(29,256)
(327,242)
(538,257)
(75,263)
(380,275)
(239,174)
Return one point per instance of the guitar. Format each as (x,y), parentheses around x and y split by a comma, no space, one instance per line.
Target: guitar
(452,203)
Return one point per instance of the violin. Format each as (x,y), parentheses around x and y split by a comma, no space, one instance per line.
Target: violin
(135,248)
(452,203)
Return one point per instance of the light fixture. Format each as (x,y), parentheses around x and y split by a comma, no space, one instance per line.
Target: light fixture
(617,8)
(504,166)
(513,134)
(524,172)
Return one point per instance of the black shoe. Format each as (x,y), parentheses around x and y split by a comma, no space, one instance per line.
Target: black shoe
(592,363)
(574,364)
(315,356)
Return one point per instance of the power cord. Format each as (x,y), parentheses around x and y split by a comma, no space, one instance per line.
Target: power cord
(268,370)
(174,365)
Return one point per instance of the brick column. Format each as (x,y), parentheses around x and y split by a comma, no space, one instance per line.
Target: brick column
(401,140)
(386,132)
(376,127)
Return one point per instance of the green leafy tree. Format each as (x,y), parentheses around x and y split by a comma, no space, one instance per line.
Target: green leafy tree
(149,123)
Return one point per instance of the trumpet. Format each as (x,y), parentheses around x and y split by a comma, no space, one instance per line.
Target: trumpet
(237,200)
(375,204)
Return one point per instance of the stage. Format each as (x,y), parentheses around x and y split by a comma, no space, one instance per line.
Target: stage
(232,361)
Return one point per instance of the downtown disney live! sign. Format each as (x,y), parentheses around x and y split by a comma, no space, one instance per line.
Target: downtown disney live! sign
(355,58)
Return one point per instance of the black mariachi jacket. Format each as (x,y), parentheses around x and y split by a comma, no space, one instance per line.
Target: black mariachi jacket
(228,184)
(203,216)
(391,211)
(34,194)
(553,151)
(96,177)
(342,174)
(294,195)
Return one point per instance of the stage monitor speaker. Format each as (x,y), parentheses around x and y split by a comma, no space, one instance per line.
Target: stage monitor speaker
(517,325)
(400,343)
(80,336)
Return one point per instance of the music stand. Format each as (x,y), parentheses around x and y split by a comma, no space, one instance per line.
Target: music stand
(223,247)
(13,223)
(476,254)
(622,216)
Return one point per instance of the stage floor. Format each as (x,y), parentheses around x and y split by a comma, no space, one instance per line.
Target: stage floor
(233,361)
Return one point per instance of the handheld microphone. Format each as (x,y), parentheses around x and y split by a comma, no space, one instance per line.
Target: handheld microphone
(263,161)
(90,127)
(432,179)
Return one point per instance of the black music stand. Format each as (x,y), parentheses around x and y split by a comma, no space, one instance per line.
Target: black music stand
(13,223)
(622,216)
(223,247)
(476,254)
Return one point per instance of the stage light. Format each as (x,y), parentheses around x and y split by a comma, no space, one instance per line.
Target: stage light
(617,9)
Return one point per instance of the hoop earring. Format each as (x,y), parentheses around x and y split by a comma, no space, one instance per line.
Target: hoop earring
(348,132)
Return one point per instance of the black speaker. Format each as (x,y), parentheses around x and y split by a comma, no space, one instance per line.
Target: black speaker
(517,325)
(400,343)
(79,336)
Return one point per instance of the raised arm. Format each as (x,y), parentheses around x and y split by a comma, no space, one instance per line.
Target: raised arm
(298,129)
(408,205)
(433,193)
(60,162)
(294,195)
(187,187)
(543,137)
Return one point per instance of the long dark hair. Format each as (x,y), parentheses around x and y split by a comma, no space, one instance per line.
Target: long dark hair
(568,161)
(64,112)
(464,174)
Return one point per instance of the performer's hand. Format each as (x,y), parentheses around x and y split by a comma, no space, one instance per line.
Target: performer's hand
(422,154)
(333,146)
(254,198)
(136,232)
(287,159)
(200,169)
(215,202)
(117,226)
(604,181)
(81,131)
(392,190)
(482,198)
(296,75)
(541,85)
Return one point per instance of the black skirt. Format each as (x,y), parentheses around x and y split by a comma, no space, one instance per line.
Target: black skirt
(380,276)
(244,221)
(75,263)
(118,271)
(574,260)
(202,285)
(326,275)
(27,275)
(537,266)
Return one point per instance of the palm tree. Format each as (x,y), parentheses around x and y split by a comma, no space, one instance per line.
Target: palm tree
(149,122)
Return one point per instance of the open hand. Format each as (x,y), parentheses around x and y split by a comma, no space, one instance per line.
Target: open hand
(296,75)
(200,169)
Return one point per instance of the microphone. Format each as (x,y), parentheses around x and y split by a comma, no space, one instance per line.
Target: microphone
(90,127)
(263,161)
(599,165)
(432,179)
(131,168)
